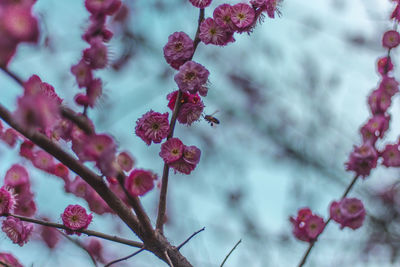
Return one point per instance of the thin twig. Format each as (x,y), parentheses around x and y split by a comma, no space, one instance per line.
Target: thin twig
(124,258)
(87,232)
(190,237)
(310,247)
(168,259)
(12,75)
(230,252)
(162,204)
(79,244)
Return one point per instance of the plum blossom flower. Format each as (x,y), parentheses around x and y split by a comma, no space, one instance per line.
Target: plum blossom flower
(212,33)
(140,182)
(200,3)
(362,160)
(75,218)
(152,127)
(391,39)
(178,49)
(171,150)
(191,77)
(243,15)
(348,212)
(7,200)
(307,226)
(16,230)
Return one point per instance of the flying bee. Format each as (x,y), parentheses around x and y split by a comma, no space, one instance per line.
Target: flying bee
(211,119)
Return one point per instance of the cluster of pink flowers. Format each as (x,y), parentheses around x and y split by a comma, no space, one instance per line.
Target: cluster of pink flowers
(17,24)
(228,19)
(365,157)
(348,212)
(75,218)
(96,56)
(180,157)
(307,226)
(18,231)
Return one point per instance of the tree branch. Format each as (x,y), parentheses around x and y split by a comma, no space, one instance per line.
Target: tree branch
(83,231)
(310,247)
(124,258)
(230,252)
(162,205)
(190,237)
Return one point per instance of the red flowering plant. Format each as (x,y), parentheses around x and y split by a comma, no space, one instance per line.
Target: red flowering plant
(56,139)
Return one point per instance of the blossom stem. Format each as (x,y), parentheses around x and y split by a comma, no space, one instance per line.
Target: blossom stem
(346,192)
(12,75)
(162,205)
(87,232)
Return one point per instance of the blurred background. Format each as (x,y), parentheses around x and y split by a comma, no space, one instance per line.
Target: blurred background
(290,97)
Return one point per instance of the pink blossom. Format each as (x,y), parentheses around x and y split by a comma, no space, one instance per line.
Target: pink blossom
(222,17)
(96,203)
(25,204)
(268,6)
(108,7)
(362,160)
(125,161)
(379,101)
(182,166)
(191,77)
(348,212)
(16,230)
(242,15)
(390,39)
(10,260)
(171,150)
(307,226)
(16,175)
(389,85)
(375,128)
(212,33)
(191,155)
(200,3)
(94,91)
(10,137)
(19,23)
(396,13)
(96,55)
(190,112)
(97,29)
(49,235)
(7,200)
(384,65)
(391,156)
(26,149)
(152,127)
(75,218)
(178,49)
(139,182)
(97,145)
(83,73)
(95,248)
(43,160)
